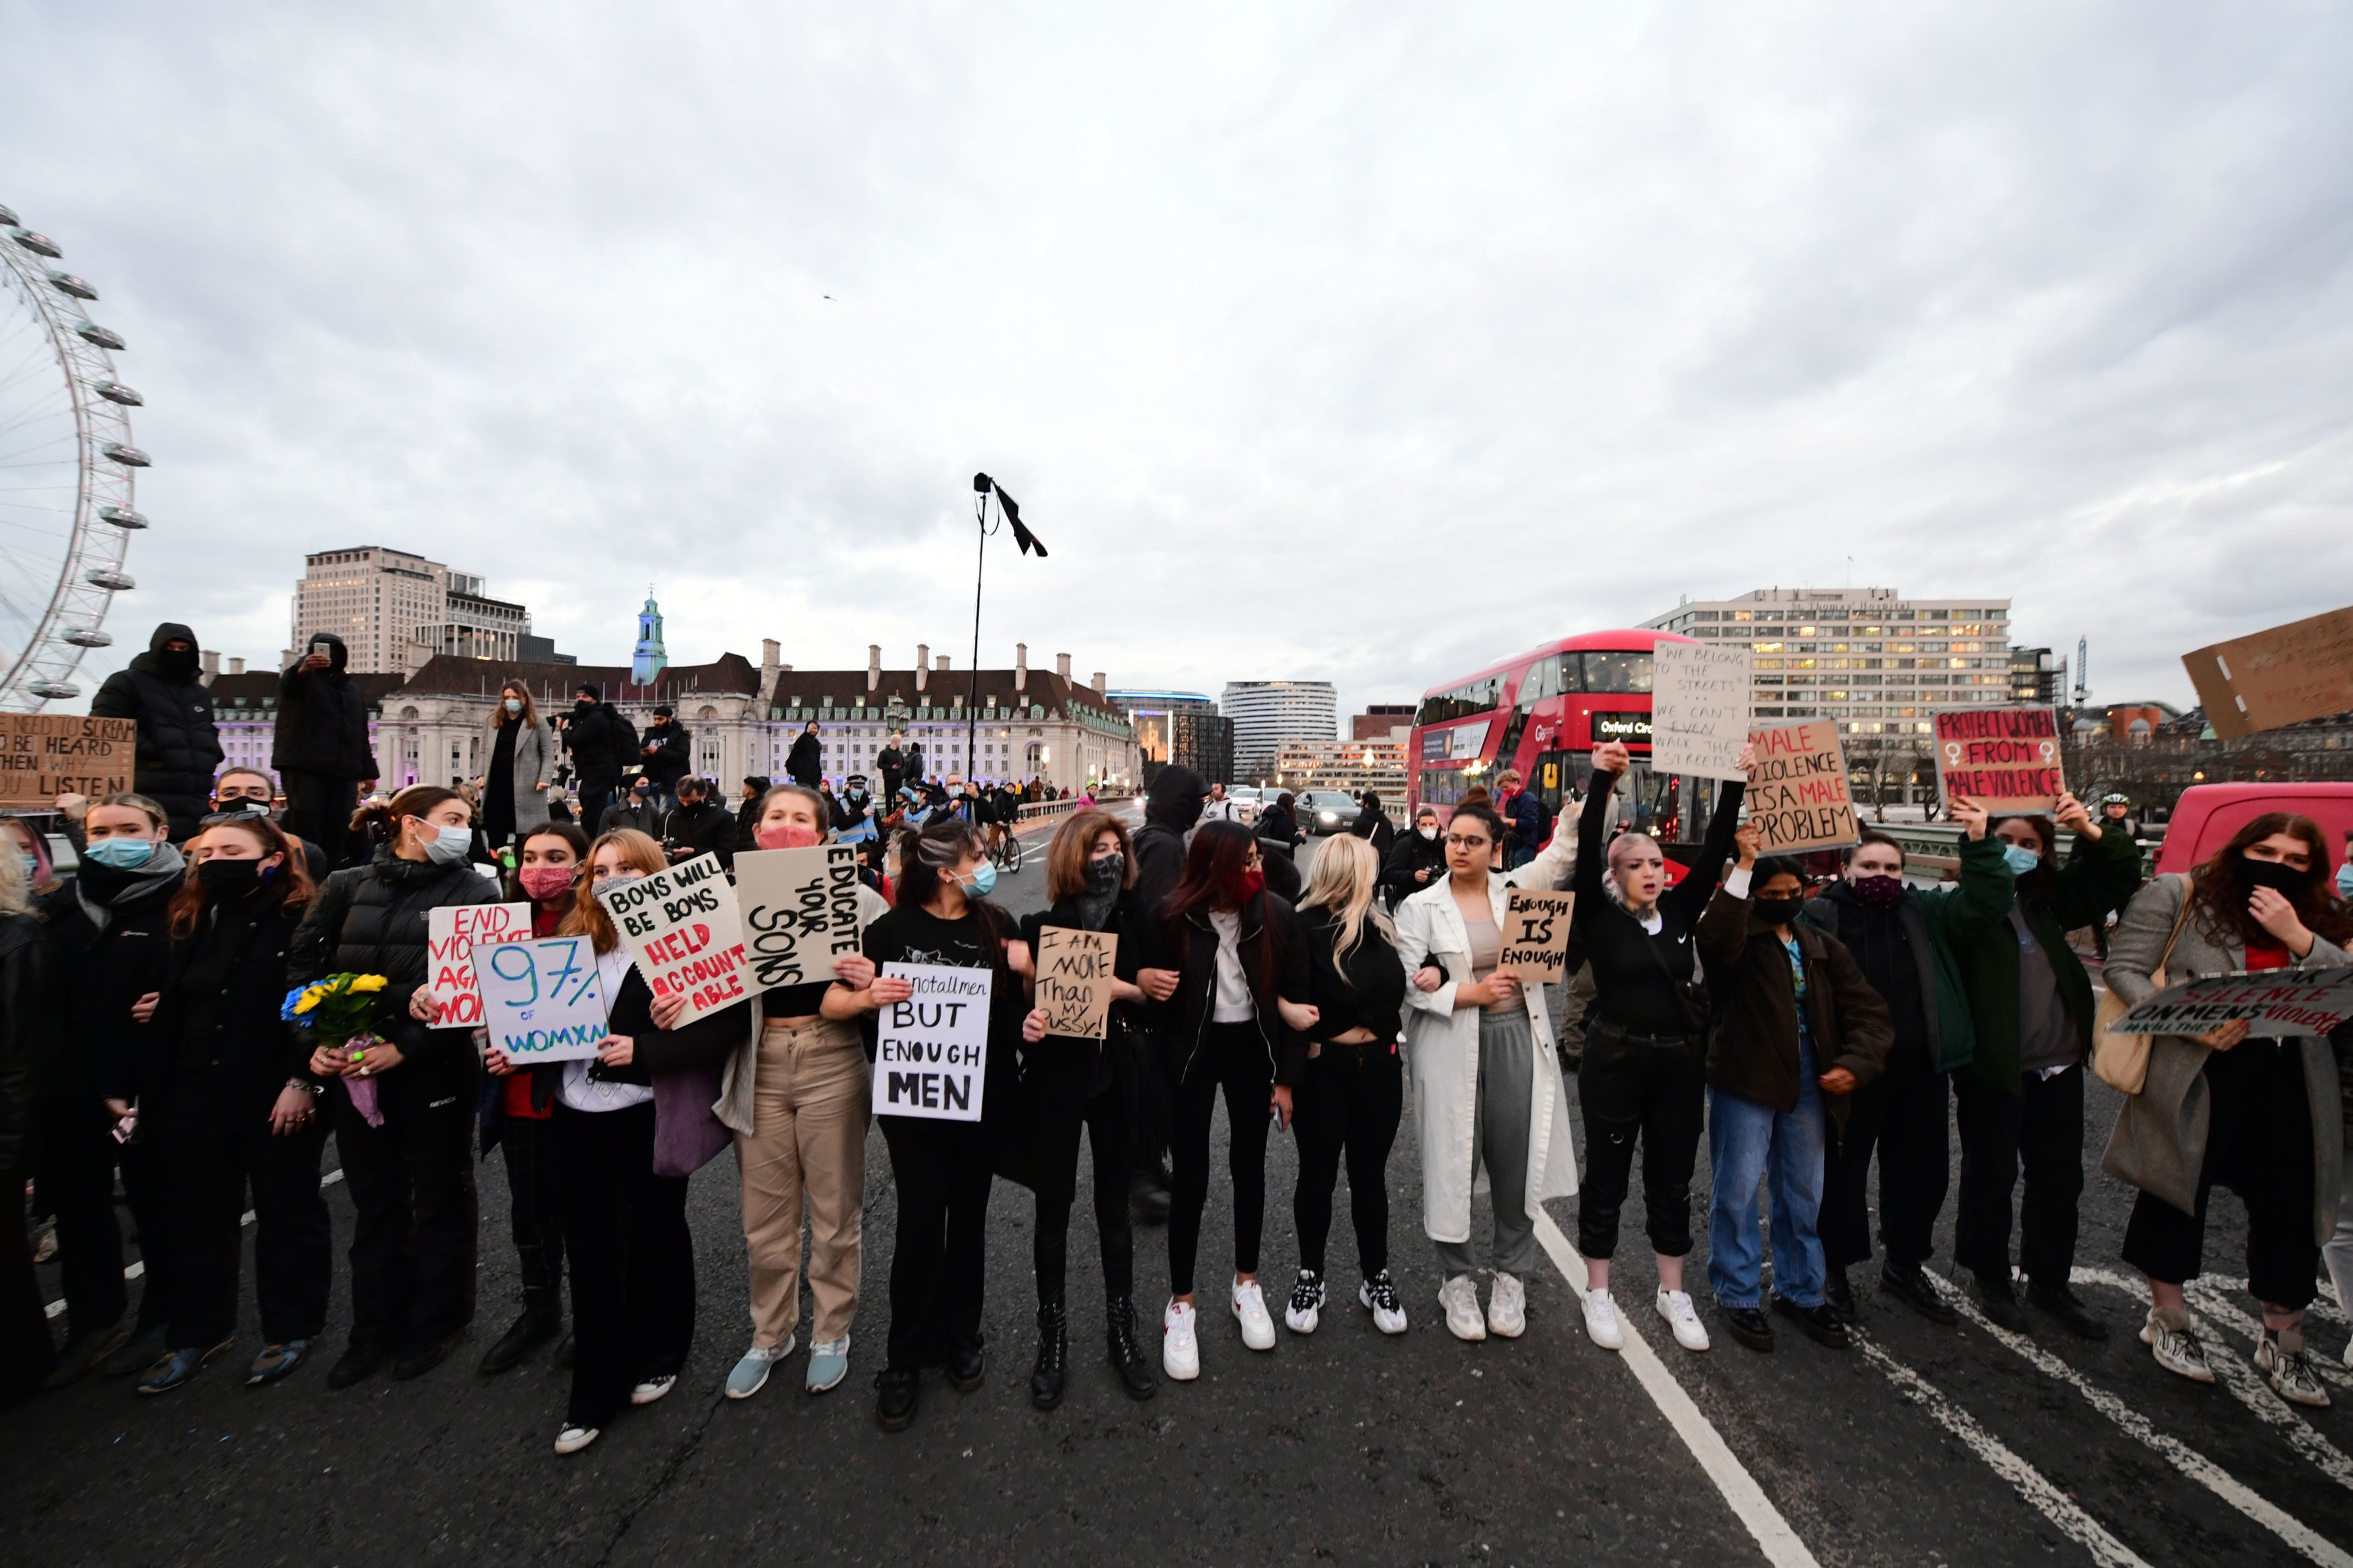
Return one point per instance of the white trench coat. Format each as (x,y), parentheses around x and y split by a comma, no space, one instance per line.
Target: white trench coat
(1442,1053)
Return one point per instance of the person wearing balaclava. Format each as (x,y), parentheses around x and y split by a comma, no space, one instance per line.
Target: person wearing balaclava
(179,747)
(1172,805)
(601,742)
(320,747)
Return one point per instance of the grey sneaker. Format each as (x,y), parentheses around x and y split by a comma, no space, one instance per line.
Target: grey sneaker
(2167,1334)
(2288,1365)
(750,1374)
(828,1363)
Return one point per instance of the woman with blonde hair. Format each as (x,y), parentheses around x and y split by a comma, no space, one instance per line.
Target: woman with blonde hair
(796,1095)
(514,790)
(1351,1083)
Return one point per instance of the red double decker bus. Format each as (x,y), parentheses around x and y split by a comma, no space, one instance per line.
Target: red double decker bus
(1543,711)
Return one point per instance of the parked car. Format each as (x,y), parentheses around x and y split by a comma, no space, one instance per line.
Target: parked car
(1249,801)
(2207,815)
(1325,810)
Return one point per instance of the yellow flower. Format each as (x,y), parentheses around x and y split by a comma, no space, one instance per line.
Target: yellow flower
(367,982)
(310,999)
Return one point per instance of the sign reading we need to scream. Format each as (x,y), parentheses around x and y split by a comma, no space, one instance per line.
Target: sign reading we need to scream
(683,932)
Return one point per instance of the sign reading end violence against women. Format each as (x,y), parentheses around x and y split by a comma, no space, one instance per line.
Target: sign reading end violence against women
(45,755)
(1536,935)
(2272,1002)
(800,911)
(681,928)
(452,934)
(1798,794)
(931,1055)
(2005,759)
(541,1000)
(1074,979)
(1699,707)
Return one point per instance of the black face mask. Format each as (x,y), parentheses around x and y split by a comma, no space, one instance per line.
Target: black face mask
(1777,912)
(581,705)
(2277,874)
(1106,874)
(230,879)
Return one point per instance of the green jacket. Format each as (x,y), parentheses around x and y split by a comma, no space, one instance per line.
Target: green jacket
(2097,878)
(1937,920)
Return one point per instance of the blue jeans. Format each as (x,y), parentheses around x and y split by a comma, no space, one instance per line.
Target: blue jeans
(1748,1143)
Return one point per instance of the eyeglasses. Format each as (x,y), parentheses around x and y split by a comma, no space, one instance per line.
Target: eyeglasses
(1457,841)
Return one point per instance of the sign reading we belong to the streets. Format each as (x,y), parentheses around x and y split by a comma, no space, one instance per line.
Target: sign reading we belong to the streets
(931,1056)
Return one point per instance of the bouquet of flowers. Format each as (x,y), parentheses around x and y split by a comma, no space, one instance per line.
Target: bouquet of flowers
(339,1010)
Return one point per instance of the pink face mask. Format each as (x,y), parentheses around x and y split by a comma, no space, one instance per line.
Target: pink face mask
(785,835)
(541,883)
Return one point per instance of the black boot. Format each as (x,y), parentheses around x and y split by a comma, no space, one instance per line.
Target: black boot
(1148,1197)
(1046,1377)
(1839,1296)
(542,1317)
(1134,1368)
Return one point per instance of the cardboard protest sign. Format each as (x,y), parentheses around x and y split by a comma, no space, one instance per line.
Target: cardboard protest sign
(682,929)
(2275,1001)
(1536,935)
(1699,707)
(2005,759)
(799,909)
(931,1058)
(2283,676)
(1798,794)
(1075,976)
(541,1000)
(45,755)
(451,935)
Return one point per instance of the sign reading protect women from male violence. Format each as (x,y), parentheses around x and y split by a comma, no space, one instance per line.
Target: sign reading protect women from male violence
(2005,759)
(1798,793)
(2274,1002)
(682,929)
(452,933)
(1699,707)
(800,911)
(931,1055)
(541,1000)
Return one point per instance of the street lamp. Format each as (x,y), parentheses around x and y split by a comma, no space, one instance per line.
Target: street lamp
(1008,512)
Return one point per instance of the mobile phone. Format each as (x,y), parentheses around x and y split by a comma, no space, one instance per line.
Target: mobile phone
(1275,1115)
(126,1130)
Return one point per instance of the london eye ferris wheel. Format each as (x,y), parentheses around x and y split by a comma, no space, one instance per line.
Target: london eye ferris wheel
(66,471)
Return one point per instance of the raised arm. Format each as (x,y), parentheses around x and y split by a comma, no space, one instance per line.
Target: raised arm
(1691,895)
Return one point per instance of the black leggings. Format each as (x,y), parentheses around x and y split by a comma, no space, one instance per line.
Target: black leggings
(1352,1099)
(1626,1090)
(1232,1058)
(632,1258)
(1107,1135)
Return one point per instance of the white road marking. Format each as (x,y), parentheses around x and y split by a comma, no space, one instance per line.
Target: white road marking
(2047,1500)
(57,1309)
(2183,1457)
(1746,1497)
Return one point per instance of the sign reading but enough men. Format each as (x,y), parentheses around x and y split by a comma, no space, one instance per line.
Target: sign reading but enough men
(931,1056)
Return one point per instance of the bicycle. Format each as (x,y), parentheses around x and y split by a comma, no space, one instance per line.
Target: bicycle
(1005,855)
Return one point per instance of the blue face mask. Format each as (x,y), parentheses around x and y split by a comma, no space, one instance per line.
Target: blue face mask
(122,854)
(2019,859)
(32,865)
(983,880)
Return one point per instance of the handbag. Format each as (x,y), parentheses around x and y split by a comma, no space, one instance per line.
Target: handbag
(2122,1060)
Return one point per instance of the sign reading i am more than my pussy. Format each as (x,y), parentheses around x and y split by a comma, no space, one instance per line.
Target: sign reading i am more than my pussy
(1074,980)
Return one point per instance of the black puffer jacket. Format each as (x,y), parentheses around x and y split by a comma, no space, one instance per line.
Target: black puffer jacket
(371,919)
(1412,853)
(323,719)
(217,1034)
(28,1032)
(104,963)
(806,761)
(704,827)
(178,746)
(663,750)
(601,743)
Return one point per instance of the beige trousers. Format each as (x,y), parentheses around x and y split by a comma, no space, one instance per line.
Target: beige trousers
(807,1152)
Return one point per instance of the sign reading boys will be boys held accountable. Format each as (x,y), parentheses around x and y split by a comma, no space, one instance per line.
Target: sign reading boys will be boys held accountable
(931,1055)
(1798,794)
(452,934)
(2004,759)
(682,929)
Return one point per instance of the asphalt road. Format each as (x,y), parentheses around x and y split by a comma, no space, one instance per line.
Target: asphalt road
(1923,1446)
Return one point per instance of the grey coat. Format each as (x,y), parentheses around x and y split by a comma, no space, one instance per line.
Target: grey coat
(2160,1142)
(534,748)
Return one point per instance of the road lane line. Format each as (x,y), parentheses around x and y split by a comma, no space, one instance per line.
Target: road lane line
(2183,1457)
(57,1309)
(1747,1498)
(2046,1499)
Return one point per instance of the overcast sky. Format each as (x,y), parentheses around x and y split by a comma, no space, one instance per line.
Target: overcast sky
(1364,342)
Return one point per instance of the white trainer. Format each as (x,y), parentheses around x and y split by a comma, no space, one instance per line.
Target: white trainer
(2287,1365)
(1307,1309)
(1601,1324)
(1379,1296)
(2167,1336)
(1676,1307)
(1250,1310)
(571,1439)
(1180,1350)
(653,1388)
(1459,1297)
(1507,1306)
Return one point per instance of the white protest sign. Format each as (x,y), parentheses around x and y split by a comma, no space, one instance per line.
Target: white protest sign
(541,1000)
(1074,978)
(931,1053)
(1699,707)
(2271,1003)
(681,928)
(451,935)
(800,911)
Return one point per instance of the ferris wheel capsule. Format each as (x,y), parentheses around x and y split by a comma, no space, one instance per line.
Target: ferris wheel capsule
(113,582)
(38,244)
(105,338)
(121,517)
(54,690)
(67,283)
(115,391)
(129,456)
(89,636)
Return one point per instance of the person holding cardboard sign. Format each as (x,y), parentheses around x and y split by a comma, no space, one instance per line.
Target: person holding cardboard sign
(939,1262)
(1070,1083)
(2260,1116)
